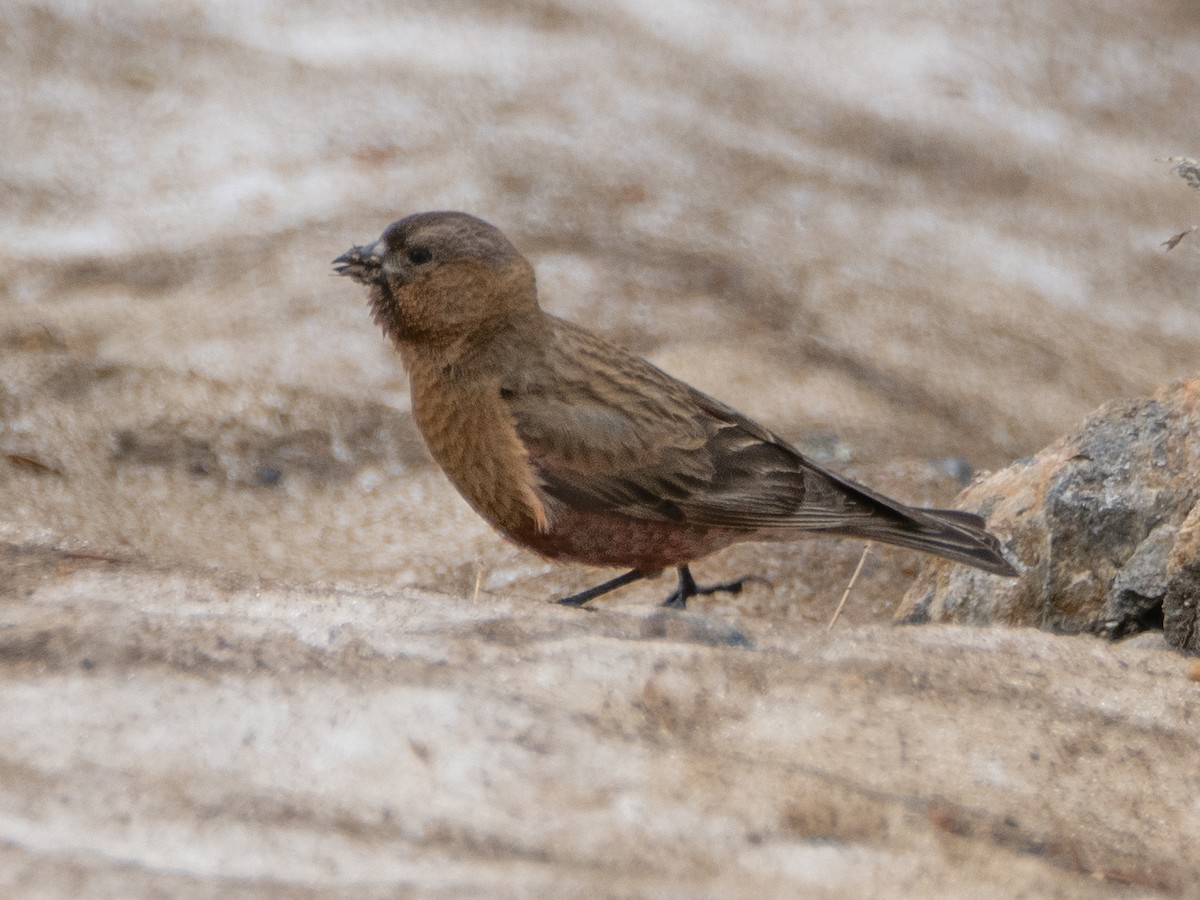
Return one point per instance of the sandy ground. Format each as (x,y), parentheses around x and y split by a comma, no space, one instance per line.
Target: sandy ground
(239,628)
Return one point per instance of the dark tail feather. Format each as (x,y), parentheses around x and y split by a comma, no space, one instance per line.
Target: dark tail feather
(949,533)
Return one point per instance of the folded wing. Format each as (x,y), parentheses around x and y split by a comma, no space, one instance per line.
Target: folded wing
(635,442)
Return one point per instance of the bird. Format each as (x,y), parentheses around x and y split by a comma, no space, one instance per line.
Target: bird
(577,449)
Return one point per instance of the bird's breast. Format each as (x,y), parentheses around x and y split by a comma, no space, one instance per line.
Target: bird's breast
(471,436)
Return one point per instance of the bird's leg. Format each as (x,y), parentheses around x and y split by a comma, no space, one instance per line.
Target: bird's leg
(592,593)
(688,588)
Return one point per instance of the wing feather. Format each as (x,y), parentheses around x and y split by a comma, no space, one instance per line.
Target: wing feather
(611,433)
(607,432)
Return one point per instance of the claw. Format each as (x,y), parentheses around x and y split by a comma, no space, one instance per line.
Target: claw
(688,588)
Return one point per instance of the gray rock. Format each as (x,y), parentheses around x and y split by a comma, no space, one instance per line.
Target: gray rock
(1103,525)
(1182,596)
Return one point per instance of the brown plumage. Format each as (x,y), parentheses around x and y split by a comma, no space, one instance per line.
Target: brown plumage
(579,450)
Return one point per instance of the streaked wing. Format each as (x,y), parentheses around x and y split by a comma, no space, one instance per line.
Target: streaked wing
(630,440)
(609,433)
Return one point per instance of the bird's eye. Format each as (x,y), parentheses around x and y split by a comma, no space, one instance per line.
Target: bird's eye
(418,255)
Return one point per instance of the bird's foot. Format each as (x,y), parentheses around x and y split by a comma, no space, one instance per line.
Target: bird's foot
(688,588)
(578,600)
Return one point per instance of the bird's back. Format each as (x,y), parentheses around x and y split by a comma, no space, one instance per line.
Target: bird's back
(611,436)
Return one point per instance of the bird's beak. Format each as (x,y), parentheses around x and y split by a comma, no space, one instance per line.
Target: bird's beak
(363,264)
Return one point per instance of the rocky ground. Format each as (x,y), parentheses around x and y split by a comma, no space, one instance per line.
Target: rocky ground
(252,643)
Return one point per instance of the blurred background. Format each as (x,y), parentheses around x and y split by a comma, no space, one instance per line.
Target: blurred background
(918,239)
(241,650)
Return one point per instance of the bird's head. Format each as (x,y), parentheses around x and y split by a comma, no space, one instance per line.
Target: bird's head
(440,277)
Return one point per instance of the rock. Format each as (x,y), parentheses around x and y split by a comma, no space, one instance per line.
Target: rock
(1104,524)
(1182,596)
(196,734)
